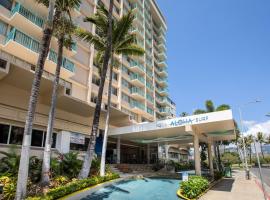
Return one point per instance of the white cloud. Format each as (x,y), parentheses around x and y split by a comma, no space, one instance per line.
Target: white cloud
(252,127)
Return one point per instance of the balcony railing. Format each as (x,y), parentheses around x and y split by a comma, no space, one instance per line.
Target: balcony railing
(135,90)
(137,64)
(149,86)
(135,104)
(18,8)
(150,98)
(150,111)
(134,76)
(33,45)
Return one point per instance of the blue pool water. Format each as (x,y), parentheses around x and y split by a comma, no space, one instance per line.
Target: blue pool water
(141,189)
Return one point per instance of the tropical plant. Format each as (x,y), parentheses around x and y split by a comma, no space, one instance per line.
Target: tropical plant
(63,33)
(53,15)
(123,43)
(194,187)
(70,164)
(261,139)
(9,164)
(98,41)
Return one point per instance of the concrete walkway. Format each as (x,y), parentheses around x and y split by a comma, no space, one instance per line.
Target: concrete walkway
(235,188)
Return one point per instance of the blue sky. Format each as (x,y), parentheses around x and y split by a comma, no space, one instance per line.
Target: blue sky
(219,50)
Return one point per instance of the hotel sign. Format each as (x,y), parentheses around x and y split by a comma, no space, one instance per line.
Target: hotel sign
(182,121)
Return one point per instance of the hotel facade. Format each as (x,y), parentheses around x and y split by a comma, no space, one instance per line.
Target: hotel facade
(140,86)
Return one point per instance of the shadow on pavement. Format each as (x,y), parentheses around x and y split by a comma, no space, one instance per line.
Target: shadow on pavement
(225,185)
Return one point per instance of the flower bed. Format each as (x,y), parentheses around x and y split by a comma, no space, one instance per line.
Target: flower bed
(74,186)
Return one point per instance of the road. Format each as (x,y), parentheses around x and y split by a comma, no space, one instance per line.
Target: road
(265,174)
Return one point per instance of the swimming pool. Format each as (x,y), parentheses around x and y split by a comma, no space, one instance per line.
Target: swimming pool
(141,189)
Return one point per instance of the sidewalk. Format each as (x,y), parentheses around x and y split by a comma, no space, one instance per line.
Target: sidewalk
(235,188)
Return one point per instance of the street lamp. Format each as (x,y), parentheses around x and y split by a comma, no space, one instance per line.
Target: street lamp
(243,139)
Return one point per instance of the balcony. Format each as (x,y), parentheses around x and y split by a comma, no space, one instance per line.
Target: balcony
(164,110)
(138,32)
(149,86)
(137,67)
(137,79)
(162,72)
(150,111)
(162,81)
(27,49)
(162,56)
(29,22)
(137,107)
(137,93)
(162,91)
(150,98)
(162,64)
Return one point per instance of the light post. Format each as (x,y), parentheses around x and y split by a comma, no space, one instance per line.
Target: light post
(243,139)
(260,169)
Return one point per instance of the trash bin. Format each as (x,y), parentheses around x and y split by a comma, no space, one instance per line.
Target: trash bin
(228,172)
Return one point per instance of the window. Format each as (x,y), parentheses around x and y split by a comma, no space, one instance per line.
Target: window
(3,28)
(96,80)
(125,83)
(53,140)
(37,138)
(80,147)
(125,97)
(6,4)
(115,76)
(114,91)
(3,64)
(16,135)
(4,131)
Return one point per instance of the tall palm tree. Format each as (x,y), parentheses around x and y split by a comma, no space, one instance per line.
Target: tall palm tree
(63,33)
(261,139)
(124,43)
(44,49)
(248,142)
(101,17)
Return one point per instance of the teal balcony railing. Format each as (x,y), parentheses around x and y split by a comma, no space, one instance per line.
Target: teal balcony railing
(149,73)
(161,79)
(67,64)
(18,8)
(150,111)
(162,90)
(134,76)
(150,98)
(23,39)
(135,90)
(164,110)
(34,45)
(136,104)
(137,64)
(149,86)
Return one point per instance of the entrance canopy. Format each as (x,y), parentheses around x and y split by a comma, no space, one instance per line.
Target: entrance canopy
(213,126)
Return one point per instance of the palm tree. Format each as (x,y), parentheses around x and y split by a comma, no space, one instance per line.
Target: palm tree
(44,49)
(124,44)
(261,139)
(209,105)
(63,33)
(101,16)
(248,141)
(183,114)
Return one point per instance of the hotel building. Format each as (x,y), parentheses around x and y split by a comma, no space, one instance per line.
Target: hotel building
(140,85)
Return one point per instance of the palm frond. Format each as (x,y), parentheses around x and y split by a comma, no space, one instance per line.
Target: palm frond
(132,49)
(91,38)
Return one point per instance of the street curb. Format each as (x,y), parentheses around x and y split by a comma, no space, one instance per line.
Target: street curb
(259,184)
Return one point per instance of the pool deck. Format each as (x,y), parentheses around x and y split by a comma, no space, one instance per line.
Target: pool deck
(235,188)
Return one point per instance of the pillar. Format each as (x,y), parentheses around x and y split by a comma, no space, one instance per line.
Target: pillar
(118,150)
(167,151)
(148,154)
(63,141)
(210,158)
(197,158)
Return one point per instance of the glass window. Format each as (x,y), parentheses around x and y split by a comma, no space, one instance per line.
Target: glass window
(3,28)
(4,130)
(80,147)
(53,139)
(37,138)
(16,135)
(6,3)
(114,91)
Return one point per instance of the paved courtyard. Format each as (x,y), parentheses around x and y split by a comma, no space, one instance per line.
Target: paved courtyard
(235,188)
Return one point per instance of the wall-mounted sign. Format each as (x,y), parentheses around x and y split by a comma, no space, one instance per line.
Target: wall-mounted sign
(181,121)
(77,138)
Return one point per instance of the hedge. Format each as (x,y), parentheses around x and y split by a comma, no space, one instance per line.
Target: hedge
(74,186)
(194,187)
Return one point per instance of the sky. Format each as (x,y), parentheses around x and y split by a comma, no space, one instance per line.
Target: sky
(220,50)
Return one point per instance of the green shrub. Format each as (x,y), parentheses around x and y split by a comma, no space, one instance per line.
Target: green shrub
(9,187)
(184,166)
(74,186)
(194,187)
(70,164)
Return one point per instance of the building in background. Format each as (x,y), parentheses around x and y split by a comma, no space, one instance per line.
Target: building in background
(140,87)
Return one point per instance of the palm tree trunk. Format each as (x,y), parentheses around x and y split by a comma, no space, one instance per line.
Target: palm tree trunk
(219,160)
(105,138)
(250,155)
(45,179)
(91,147)
(25,151)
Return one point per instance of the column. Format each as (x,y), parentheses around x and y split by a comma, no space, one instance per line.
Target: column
(167,151)
(210,158)
(148,154)
(63,141)
(197,158)
(118,150)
